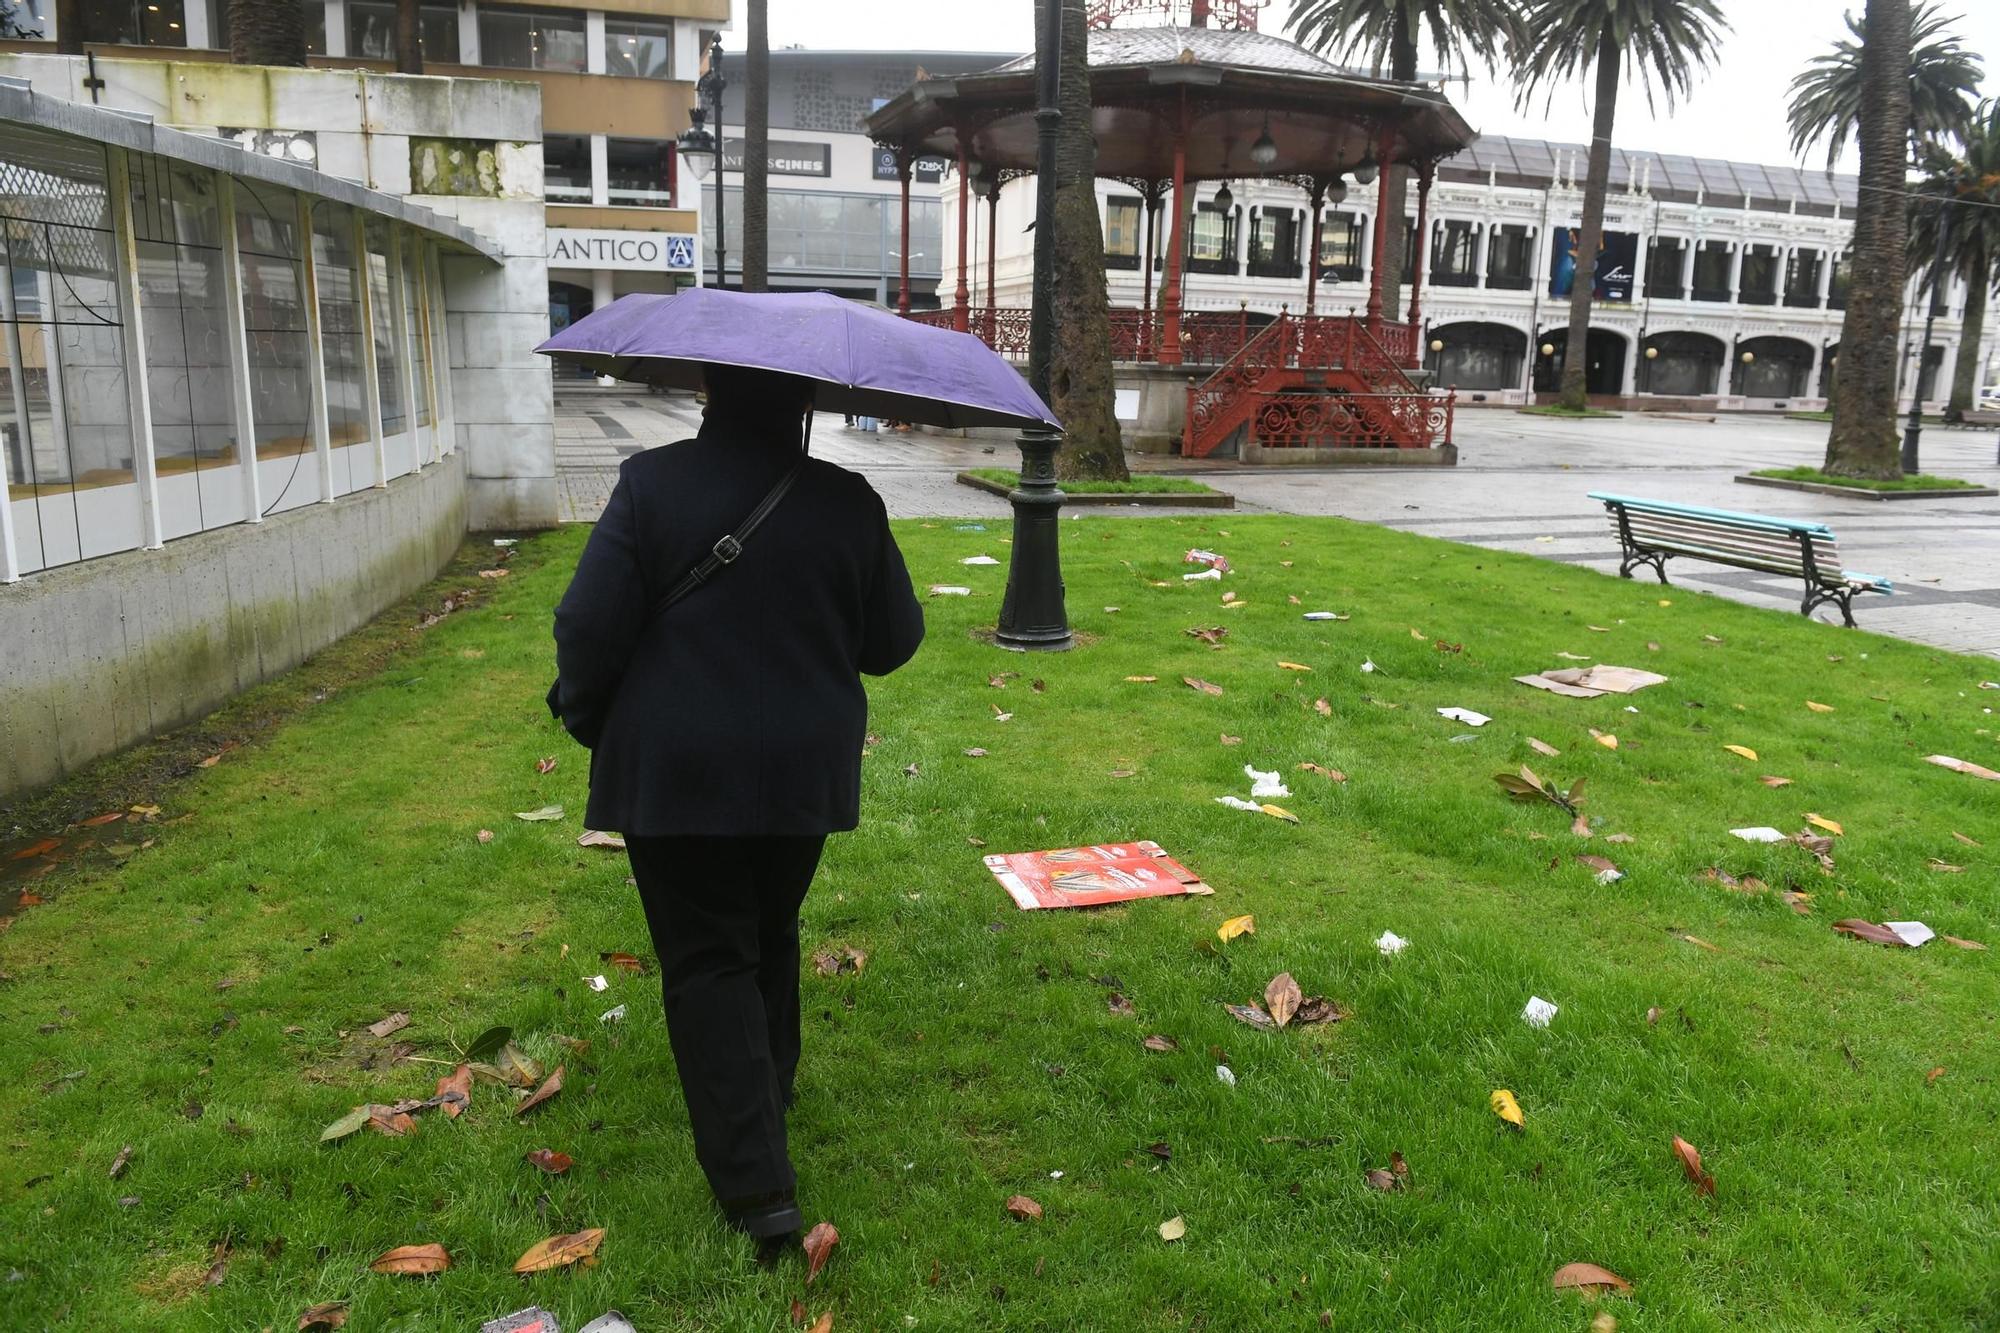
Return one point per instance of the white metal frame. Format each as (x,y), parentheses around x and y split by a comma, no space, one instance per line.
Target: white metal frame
(371,371)
(239,348)
(137,391)
(316,363)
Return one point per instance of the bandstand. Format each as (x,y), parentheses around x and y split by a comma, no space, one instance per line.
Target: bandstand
(1204,97)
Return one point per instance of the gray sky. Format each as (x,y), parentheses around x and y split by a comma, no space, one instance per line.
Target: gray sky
(1737,111)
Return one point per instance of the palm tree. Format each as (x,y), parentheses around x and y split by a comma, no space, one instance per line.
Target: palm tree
(409,38)
(267,32)
(1666,41)
(1862,442)
(1944,78)
(1970,182)
(1387,34)
(756,147)
(1081,389)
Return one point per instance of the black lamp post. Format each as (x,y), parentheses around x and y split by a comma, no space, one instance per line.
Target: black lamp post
(1033,617)
(1913,429)
(702,150)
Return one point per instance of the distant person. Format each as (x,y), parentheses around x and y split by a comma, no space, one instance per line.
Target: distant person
(726,735)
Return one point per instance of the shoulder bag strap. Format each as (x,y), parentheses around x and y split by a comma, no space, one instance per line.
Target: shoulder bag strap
(725,551)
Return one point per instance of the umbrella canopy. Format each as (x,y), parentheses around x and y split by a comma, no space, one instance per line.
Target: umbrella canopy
(868,362)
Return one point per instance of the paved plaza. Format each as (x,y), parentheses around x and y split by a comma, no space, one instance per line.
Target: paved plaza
(1522,484)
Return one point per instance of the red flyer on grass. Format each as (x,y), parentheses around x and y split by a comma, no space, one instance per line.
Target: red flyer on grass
(1092,876)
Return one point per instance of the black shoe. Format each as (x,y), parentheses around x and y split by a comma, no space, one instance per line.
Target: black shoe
(771,1218)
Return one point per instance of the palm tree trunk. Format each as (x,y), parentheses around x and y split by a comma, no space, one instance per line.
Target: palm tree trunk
(69,27)
(1081,389)
(1862,441)
(409,38)
(1576,349)
(1965,371)
(756,149)
(267,32)
(1403,66)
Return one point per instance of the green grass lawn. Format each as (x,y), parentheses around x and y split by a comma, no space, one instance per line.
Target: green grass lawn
(1136,486)
(1917,482)
(192,1002)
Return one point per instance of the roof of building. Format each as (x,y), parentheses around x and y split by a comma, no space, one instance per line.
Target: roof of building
(1674,177)
(1211,46)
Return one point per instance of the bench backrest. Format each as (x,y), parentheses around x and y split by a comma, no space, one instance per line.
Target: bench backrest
(1752,541)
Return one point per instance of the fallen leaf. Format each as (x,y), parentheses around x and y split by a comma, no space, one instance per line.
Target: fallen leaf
(1771,780)
(323,1318)
(1294,666)
(1868,930)
(1588,1277)
(543,815)
(489,1042)
(1120,1005)
(1160,1044)
(823,1324)
(458,1081)
(1252,1014)
(555,1163)
(121,1161)
(1963,944)
(35,849)
(1653,1016)
(1944,867)
(347,1124)
(1228,739)
(999,682)
(1743,750)
(546,765)
(1234,926)
(413,1260)
(1213,634)
(98,821)
(1934,1076)
(1282,998)
(1330,774)
(1173,1228)
(550,1087)
(799,1315)
(391,1122)
(1140,680)
(1690,1160)
(1967,841)
(560,1251)
(1323,708)
(1598,629)
(1700,943)
(1318,1009)
(1279,812)
(1206,687)
(1620,838)
(1543,748)
(1962,766)
(1604,738)
(1605,868)
(628,962)
(833,962)
(1507,1108)
(1829,825)
(975,753)
(1023,1208)
(1378,1179)
(395,1022)
(818,1244)
(610,842)
(494,573)
(486,835)
(1001,715)
(1819,707)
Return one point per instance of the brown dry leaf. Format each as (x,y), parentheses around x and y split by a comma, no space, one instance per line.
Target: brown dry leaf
(610,842)
(98,821)
(35,849)
(1124,772)
(1228,739)
(1590,1278)
(1543,748)
(493,573)
(1162,1045)
(1819,707)
(549,1160)
(323,1318)
(560,1251)
(1653,1016)
(1234,926)
(1604,738)
(1120,1005)
(1580,826)
(550,1087)
(1934,1076)
(1206,687)
(413,1260)
(390,1122)
(1318,1009)
(121,1161)
(545,765)
(1831,826)
(1212,634)
(1023,1208)
(1868,930)
(1963,944)
(629,962)
(1253,1014)
(1603,865)
(1323,708)
(818,1244)
(1742,751)
(799,1315)
(999,682)
(1399,1166)
(823,1324)
(392,1024)
(1967,841)
(486,835)
(1798,902)
(1690,1160)
(1772,780)
(1700,943)
(1282,998)
(1378,1179)
(458,1081)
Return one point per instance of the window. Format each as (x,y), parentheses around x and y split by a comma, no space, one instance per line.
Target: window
(1711,272)
(134,22)
(1759,284)
(342,347)
(1510,257)
(1802,279)
(1212,240)
(1454,254)
(371,31)
(1836,284)
(1124,220)
(566,168)
(531,39)
(638,50)
(1274,243)
(639,172)
(1340,247)
(1666,262)
(274,320)
(388,358)
(1409,251)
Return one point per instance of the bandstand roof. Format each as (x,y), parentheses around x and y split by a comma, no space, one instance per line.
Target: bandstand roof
(1323,117)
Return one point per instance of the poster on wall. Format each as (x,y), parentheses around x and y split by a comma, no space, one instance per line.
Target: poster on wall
(1617,261)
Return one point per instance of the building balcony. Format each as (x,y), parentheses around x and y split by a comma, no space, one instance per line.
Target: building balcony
(1446,278)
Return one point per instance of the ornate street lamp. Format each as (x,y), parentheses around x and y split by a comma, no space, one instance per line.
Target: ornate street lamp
(702,150)
(1033,617)
(1265,151)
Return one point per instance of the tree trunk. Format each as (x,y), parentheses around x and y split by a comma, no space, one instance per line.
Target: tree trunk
(409,38)
(1965,371)
(1403,66)
(69,27)
(1583,280)
(1863,442)
(756,148)
(267,32)
(1080,382)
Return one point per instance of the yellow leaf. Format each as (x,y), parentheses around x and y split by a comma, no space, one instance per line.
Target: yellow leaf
(1666,601)
(1279,812)
(1743,750)
(1140,680)
(1819,707)
(1234,926)
(1294,666)
(1173,1228)
(1829,825)
(560,1251)
(1507,1108)
(1605,739)
(1416,633)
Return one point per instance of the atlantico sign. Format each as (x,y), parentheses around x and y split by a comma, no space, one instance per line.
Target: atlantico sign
(649,251)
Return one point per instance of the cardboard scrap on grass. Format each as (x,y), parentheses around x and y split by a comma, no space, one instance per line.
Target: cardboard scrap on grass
(1593,681)
(1092,876)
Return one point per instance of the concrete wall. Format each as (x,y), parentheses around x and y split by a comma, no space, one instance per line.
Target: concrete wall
(99,655)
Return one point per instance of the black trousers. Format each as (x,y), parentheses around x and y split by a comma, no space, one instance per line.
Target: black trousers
(724,915)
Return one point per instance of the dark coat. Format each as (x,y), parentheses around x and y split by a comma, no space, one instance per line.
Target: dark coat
(739,710)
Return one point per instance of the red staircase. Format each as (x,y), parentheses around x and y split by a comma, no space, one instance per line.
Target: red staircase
(1316,382)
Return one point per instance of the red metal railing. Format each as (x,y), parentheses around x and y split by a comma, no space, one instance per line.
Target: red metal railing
(1318,420)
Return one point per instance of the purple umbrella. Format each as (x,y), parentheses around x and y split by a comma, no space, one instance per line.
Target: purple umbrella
(869,362)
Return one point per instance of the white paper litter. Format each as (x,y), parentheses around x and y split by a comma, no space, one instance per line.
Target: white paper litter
(1465,715)
(1609,875)
(1055,1175)
(1226,1074)
(949,590)
(1390,944)
(1320,615)
(1238,803)
(1367,667)
(505,541)
(1630,709)
(1760,833)
(612,1322)
(597,982)
(979,560)
(1912,933)
(612,1015)
(1538,1012)
(1215,574)
(1265,784)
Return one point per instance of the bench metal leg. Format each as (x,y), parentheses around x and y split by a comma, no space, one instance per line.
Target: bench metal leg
(1635,558)
(1817,597)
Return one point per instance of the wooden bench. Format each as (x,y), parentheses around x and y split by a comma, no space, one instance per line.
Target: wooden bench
(1652,531)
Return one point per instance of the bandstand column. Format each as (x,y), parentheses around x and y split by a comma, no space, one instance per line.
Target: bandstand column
(1151,200)
(1170,295)
(992,244)
(1312,260)
(903,164)
(1423,243)
(1379,260)
(961,298)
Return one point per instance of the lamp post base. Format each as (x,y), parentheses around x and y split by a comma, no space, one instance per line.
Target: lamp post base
(1032,617)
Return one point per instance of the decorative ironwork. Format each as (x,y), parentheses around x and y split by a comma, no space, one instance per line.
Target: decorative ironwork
(1290,419)
(1239,15)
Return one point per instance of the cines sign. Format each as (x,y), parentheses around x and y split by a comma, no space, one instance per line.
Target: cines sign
(648,251)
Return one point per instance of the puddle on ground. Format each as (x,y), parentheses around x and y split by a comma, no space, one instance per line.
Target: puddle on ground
(26,864)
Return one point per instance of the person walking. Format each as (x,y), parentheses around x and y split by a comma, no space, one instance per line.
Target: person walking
(726,733)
